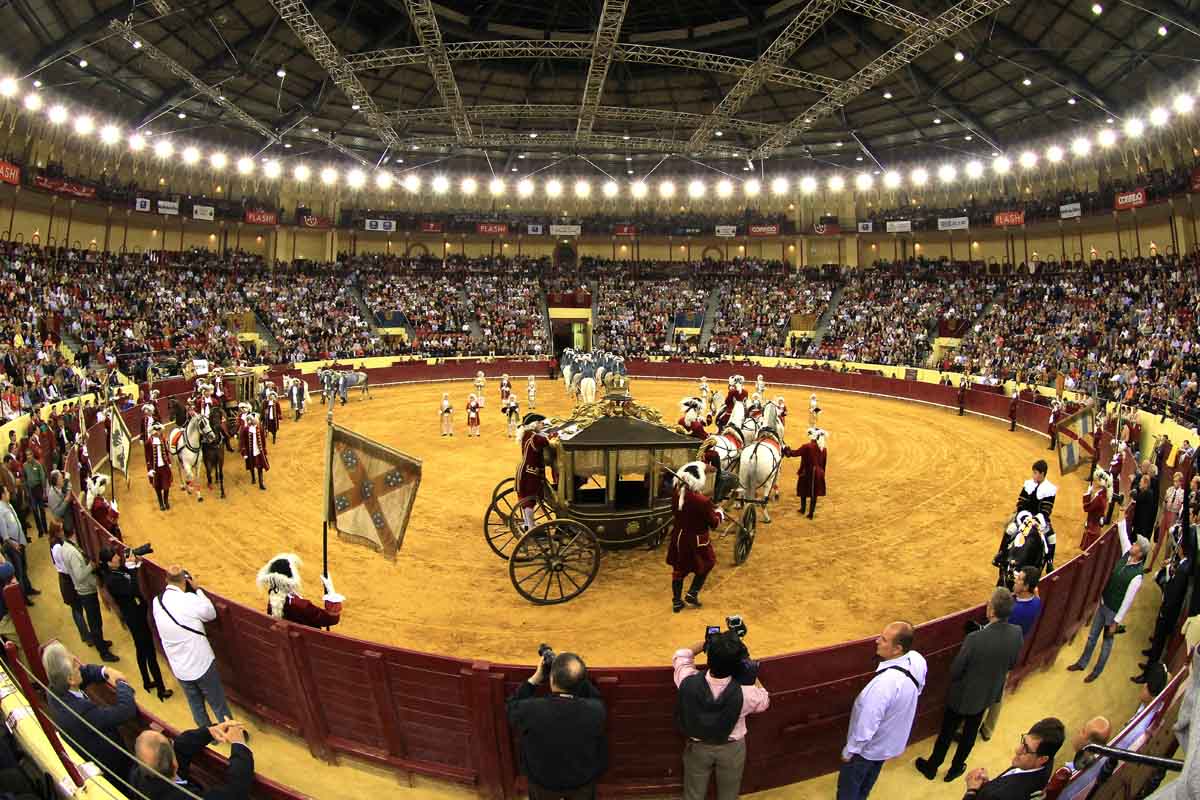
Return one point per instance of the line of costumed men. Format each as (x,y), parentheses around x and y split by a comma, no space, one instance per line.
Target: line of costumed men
(583,373)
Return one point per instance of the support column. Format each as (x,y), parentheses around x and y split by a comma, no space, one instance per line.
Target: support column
(70,219)
(50,226)
(1137,234)
(107,227)
(125,235)
(1117,224)
(12,213)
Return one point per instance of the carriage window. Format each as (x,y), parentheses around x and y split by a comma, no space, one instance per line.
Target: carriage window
(590,475)
(633,479)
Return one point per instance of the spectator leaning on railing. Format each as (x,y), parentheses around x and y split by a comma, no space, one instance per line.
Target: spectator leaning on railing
(172,760)
(563,747)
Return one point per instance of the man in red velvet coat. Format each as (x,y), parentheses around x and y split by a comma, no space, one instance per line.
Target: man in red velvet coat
(280,578)
(101,509)
(271,414)
(1095,503)
(691,550)
(690,421)
(1012,410)
(531,471)
(252,441)
(807,453)
(158,465)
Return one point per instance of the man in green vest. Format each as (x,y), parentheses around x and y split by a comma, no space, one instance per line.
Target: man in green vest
(1116,600)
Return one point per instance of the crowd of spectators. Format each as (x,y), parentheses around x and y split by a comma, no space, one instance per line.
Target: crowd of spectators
(755,314)
(508,306)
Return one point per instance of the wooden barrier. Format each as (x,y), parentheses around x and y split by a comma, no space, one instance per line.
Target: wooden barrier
(443,716)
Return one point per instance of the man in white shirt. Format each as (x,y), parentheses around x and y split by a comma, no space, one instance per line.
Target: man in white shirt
(883,713)
(179,614)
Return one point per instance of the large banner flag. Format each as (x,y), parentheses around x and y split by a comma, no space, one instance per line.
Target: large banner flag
(119,443)
(369,490)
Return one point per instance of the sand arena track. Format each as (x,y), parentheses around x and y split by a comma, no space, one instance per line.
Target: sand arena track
(916,500)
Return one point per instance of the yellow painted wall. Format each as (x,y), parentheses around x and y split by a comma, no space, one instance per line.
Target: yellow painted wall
(573,314)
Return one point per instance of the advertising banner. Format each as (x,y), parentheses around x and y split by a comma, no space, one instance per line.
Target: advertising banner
(380,225)
(727,231)
(10,173)
(1195,180)
(61,186)
(315,222)
(826,228)
(258,217)
(142,204)
(535,230)
(203,212)
(1135,198)
(764,230)
(1070,211)
(625,230)
(1008,218)
(492,228)
(169,207)
(431,227)
(566,230)
(866,227)
(953,223)
(899,226)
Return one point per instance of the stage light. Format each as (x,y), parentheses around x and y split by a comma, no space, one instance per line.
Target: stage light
(57,115)
(958,55)
(1184,103)
(533,136)
(724,188)
(781,185)
(191,155)
(1107,137)
(1070,101)
(356,106)
(863,182)
(696,189)
(272,169)
(136,44)
(752,187)
(1081,146)
(1054,154)
(666,190)
(887,95)
(137,142)
(1028,159)
(84,125)
(329,176)
(554,188)
(441,184)
(469,186)
(181,115)
(301,172)
(218,160)
(1162,30)
(947,173)
(525,187)
(836,183)
(281,73)
(611,189)
(1027,82)
(1134,127)
(109,134)
(8,87)
(919,177)
(937,120)
(1159,116)
(496,187)
(974,169)
(33,101)
(83,61)
(1001,165)
(412,181)
(638,189)
(245,165)
(1097,9)
(892,179)
(37,84)
(163,149)
(808,184)
(582,189)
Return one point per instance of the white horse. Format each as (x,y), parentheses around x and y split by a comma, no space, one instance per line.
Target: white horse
(568,370)
(729,442)
(186,444)
(758,470)
(587,389)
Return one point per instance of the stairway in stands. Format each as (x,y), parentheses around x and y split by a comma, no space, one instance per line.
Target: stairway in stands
(545,306)
(264,330)
(476,331)
(365,310)
(710,314)
(823,320)
(594,287)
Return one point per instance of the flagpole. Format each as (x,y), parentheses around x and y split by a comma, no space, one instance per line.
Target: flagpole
(112,469)
(328,478)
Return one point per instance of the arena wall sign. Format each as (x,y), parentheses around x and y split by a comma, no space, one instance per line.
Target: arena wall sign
(1135,198)
(10,173)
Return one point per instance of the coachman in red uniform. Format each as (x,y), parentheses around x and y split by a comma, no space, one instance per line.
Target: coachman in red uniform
(272,412)
(1095,504)
(280,578)
(691,550)
(532,470)
(1012,411)
(158,465)
(807,453)
(101,510)
(690,421)
(252,441)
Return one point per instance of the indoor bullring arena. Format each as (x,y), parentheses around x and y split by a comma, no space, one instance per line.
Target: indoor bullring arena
(599,399)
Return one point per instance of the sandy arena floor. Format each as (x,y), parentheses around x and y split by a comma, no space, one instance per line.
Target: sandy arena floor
(917,498)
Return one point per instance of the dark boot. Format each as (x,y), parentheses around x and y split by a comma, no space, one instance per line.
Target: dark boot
(677,595)
(812,507)
(803,504)
(693,595)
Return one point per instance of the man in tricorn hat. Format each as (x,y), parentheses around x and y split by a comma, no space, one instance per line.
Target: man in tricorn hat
(531,473)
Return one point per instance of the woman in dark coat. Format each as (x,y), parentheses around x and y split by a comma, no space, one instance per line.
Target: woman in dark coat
(121,586)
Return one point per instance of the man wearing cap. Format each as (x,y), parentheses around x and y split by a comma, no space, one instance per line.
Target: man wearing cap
(1122,587)
(253,447)
(158,465)
(532,470)
(691,550)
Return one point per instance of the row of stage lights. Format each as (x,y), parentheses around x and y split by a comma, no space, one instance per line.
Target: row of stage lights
(85,126)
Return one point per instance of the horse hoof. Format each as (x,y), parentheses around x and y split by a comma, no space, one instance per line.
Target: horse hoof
(199,499)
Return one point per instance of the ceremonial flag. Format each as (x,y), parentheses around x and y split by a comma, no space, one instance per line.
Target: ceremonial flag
(118,442)
(369,490)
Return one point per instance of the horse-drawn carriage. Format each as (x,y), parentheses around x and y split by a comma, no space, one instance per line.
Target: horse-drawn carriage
(613,466)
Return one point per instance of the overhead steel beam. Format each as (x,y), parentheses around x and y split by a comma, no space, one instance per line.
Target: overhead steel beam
(887,13)
(325,52)
(911,47)
(1071,80)
(612,14)
(419,116)
(425,23)
(76,38)
(126,31)
(811,17)
(582,50)
(568,141)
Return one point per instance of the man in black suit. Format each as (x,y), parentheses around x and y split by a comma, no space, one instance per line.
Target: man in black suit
(977,678)
(1145,507)
(173,759)
(67,679)
(1031,766)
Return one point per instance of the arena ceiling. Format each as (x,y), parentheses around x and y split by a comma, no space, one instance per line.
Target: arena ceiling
(831,81)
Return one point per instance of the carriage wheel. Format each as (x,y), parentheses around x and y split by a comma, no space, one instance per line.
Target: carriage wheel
(503,524)
(502,485)
(745,536)
(555,562)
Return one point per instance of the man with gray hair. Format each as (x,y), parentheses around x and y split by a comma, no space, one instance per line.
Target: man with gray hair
(90,728)
(1115,601)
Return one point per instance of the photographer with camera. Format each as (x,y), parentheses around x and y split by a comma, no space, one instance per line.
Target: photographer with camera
(179,614)
(712,707)
(563,747)
(82,573)
(119,577)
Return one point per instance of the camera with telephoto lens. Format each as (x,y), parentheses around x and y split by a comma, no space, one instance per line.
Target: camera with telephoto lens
(142,550)
(747,669)
(546,653)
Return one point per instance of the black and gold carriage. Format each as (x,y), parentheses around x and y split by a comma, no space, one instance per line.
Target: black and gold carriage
(611,480)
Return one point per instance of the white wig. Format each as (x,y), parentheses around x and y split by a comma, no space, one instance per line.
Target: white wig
(691,475)
(280,577)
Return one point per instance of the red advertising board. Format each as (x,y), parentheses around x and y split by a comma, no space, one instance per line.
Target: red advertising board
(61,186)
(1134,198)
(313,221)
(431,227)
(764,230)
(10,173)
(1004,218)
(624,230)
(257,217)
(826,228)
(1195,180)
(492,228)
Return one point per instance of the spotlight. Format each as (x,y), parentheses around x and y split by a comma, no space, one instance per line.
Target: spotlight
(8,87)
(1081,146)
(329,176)
(1159,117)
(137,142)
(718,133)
(1097,9)
(356,107)
(525,187)
(1106,138)
(837,183)
(1134,127)
(181,115)
(724,188)
(302,172)
(1054,154)
(137,44)
(780,185)
(1162,31)
(84,125)
(109,134)
(218,160)
(533,136)
(974,170)
(919,177)
(947,173)
(272,169)
(1070,101)
(191,155)
(582,189)
(281,73)
(57,114)
(666,190)
(891,180)
(611,189)
(441,184)
(245,165)
(1027,82)
(863,182)
(887,95)
(696,189)
(356,178)
(496,187)
(1184,103)
(1028,159)
(958,55)
(638,190)
(83,61)
(554,188)
(752,187)
(937,120)
(163,149)
(808,185)
(1001,165)
(468,186)
(37,84)
(412,181)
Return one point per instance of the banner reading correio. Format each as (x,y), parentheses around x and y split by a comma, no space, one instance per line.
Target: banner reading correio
(953,223)
(381,225)
(1070,211)
(566,230)
(315,222)
(826,228)
(492,228)
(866,227)
(256,216)
(1004,219)
(60,186)
(204,212)
(727,231)
(624,230)
(1134,198)
(10,173)
(764,230)
(431,227)
(899,226)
